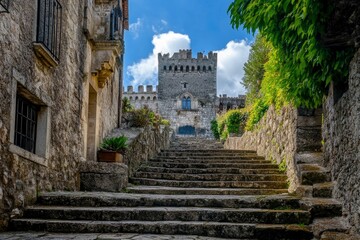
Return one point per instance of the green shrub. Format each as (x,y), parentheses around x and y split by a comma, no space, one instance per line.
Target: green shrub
(215,129)
(126,106)
(165,122)
(258,110)
(232,121)
(116,144)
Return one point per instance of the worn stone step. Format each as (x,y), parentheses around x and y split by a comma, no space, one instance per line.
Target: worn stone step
(322,207)
(209,184)
(202,191)
(313,173)
(206,161)
(245,157)
(211,177)
(104,199)
(213,165)
(211,229)
(244,215)
(323,190)
(196,153)
(208,170)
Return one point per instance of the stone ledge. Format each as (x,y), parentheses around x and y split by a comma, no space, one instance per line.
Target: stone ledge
(28,155)
(99,176)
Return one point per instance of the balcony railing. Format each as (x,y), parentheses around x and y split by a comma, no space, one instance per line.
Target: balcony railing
(4,6)
(49,26)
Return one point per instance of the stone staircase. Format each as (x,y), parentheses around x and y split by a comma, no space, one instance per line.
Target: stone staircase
(193,188)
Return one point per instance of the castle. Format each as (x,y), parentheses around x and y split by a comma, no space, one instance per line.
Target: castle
(186,94)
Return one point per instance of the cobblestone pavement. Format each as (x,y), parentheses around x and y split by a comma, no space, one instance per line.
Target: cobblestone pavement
(95,236)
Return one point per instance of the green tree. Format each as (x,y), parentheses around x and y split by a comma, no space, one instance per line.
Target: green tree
(254,68)
(295,29)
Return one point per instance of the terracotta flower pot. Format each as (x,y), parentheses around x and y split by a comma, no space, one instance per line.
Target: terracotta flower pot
(110,156)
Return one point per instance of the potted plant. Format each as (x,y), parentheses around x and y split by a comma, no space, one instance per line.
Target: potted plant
(112,149)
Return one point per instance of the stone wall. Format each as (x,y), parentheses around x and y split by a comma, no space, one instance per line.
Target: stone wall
(341,133)
(143,143)
(61,93)
(274,138)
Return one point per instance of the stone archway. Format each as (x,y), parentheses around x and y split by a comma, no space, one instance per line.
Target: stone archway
(91,143)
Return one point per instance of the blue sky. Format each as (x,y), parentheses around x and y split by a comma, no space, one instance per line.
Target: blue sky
(170,25)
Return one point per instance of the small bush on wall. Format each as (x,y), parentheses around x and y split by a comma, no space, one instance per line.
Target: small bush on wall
(233,121)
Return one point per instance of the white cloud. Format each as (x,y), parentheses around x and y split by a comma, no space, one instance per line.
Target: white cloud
(164,22)
(159,27)
(145,71)
(135,28)
(230,70)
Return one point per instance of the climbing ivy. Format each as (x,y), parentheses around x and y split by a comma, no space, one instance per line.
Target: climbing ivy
(295,29)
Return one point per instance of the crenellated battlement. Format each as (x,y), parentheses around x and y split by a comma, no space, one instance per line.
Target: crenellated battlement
(141,88)
(186,54)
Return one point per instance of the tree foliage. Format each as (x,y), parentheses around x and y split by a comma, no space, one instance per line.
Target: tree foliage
(254,68)
(295,28)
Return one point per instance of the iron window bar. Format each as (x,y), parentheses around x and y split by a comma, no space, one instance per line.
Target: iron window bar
(4,6)
(115,16)
(49,26)
(25,124)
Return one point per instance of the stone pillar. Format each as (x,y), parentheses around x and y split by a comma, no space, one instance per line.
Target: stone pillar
(140,89)
(130,89)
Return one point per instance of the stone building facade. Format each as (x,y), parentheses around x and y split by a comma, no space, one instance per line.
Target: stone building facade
(60,66)
(227,103)
(141,98)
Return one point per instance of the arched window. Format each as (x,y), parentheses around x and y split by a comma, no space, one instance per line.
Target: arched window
(186,103)
(164,68)
(192,68)
(209,68)
(130,98)
(204,69)
(136,98)
(198,68)
(170,68)
(175,69)
(148,98)
(181,68)
(142,98)
(154,98)
(187,68)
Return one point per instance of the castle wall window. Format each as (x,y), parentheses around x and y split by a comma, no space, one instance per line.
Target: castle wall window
(131,98)
(209,68)
(170,68)
(148,98)
(4,6)
(181,68)
(186,103)
(142,98)
(26,124)
(192,68)
(175,69)
(204,69)
(164,68)
(154,98)
(136,98)
(48,33)
(198,68)
(187,68)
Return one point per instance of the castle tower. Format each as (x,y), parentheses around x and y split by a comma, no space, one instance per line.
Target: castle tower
(187,91)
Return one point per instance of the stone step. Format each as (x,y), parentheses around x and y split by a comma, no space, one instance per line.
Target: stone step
(213,165)
(322,207)
(244,215)
(202,191)
(208,170)
(313,173)
(171,160)
(104,199)
(209,184)
(211,177)
(211,229)
(207,153)
(245,157)
(323,190)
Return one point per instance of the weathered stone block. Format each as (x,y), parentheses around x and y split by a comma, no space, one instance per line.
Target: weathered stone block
(99,176)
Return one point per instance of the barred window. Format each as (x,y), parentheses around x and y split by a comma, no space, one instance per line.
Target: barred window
(4,6)
(26,123)
(49,26)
